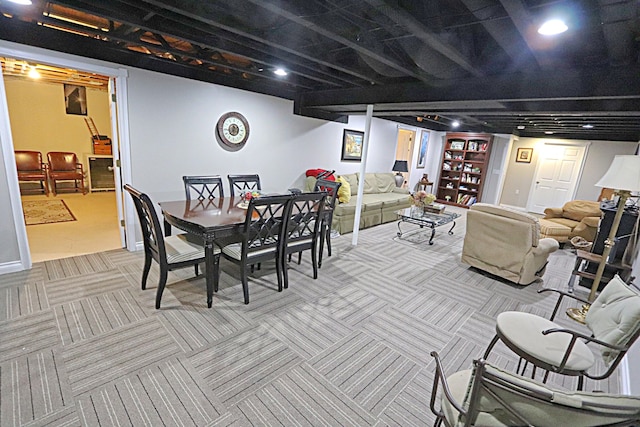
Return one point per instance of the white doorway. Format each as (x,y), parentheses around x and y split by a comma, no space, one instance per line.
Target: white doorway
(404,150)
(557,174)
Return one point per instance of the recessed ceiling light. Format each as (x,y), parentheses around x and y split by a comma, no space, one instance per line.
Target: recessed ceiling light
(587,126)
(521,127)
(548,132)
(280,72)
(553,27)
(455,123)
(22,2)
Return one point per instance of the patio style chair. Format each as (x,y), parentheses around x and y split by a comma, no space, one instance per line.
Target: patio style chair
(614,322)
(203,187)
(331,188)
(171,252)
(304,229)
(240,183)
(31,168)
(64,166)
(261,237)
(488,396)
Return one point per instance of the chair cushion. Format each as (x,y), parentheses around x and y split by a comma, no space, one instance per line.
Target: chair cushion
(614,316)
(180,249)
(524,331)
(234,251)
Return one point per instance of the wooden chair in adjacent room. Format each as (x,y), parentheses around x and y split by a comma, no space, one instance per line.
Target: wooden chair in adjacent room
(171,252)
(240,183)
(261,237)
(64,166)
(203,187)
(32,169)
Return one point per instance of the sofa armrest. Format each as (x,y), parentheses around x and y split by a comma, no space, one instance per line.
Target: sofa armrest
(591,221)
(546,245)
(401,190)
(553,213)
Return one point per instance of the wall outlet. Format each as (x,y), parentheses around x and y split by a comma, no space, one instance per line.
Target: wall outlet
(517,191)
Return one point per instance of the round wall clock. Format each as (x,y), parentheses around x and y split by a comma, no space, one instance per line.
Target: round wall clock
(233,129)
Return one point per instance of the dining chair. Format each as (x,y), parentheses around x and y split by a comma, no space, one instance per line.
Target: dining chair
(303,229)
(64,166)
(239,183)
(203,187)
(261,237)
(331,188)
(31,168)
(488,396)
(613,320)
(171,252)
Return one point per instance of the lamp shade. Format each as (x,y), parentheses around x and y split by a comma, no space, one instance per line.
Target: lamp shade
(623,174)
(400,166)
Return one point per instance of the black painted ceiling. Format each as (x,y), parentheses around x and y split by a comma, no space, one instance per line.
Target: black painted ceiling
(419,62)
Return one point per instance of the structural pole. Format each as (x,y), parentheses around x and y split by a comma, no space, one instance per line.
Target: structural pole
(363,168)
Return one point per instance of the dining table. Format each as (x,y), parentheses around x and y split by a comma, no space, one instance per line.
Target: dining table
(209,220)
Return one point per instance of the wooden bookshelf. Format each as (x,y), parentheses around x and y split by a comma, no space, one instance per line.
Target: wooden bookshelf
(463,169)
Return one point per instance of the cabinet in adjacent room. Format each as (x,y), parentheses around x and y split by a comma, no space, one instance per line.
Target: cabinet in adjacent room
(463,170)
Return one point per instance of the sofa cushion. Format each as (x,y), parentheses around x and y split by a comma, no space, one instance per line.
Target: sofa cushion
(578,209)
(352,179)
(386,182)
(344,209)
(566,222)
(392,199)
(370,183)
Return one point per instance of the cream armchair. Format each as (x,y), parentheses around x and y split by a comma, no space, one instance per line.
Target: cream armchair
(506,243)
(581,216)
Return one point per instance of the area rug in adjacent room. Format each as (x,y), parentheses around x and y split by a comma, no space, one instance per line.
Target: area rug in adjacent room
(46,212)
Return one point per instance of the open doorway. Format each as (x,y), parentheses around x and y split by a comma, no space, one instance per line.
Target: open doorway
(67,223)
(404,150)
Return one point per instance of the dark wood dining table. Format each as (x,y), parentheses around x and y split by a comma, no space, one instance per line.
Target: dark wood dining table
(209,220)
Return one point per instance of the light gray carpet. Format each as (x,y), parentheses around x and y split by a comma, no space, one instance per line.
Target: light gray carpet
(81,343)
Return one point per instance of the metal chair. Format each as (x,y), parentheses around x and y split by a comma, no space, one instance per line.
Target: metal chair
(331,188)
(239,183)
(488,396)
(203,187)
(614,322)
(303,229)
(262,237)
(31,168)
(171,252)
(64,166)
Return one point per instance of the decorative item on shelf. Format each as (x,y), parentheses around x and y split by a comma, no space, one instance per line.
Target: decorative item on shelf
(624,176)
(422,198)
(398,167)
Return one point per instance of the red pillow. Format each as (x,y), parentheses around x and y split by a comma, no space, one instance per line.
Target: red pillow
(321,173)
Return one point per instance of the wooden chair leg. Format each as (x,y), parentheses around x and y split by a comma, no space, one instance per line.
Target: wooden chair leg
(161,284)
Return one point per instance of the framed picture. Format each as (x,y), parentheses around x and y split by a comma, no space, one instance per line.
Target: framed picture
(422,153)
(75,99)
(352,141)
(524,155)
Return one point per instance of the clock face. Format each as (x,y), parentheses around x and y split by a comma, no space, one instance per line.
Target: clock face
(233,129)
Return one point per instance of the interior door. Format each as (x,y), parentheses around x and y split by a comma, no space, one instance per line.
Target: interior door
(404,149)
(556,177)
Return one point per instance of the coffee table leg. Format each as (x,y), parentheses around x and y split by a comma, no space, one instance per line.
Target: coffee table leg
(433,233)
(451,229)
(399,231)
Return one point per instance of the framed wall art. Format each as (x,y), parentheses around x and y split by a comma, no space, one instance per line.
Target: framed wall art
(523,155)
(352,141)
(422,153)
(75,99)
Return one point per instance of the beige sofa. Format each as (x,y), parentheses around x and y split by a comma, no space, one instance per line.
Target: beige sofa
(506,243)
(380,201)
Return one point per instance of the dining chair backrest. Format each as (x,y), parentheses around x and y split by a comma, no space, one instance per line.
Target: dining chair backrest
(203,187)
(305,212)
(239,183)
(264,224)
(60,161)
(152,236)
(331,188)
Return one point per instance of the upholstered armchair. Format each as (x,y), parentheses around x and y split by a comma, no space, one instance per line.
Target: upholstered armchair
(31,169)
(65,166)
(581,216)
(506,243)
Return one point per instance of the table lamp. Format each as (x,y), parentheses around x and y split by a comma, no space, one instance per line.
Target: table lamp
(623,176)
(400,166)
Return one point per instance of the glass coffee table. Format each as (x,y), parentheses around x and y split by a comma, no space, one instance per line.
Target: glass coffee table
(426,219)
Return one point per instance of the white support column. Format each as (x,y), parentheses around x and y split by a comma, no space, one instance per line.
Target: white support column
(363,168)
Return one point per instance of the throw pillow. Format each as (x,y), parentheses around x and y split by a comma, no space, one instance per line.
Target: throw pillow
(344,192)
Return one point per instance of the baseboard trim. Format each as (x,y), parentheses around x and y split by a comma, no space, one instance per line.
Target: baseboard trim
(11,267)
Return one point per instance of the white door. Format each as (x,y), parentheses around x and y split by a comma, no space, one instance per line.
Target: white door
(404,149)
(556,176)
